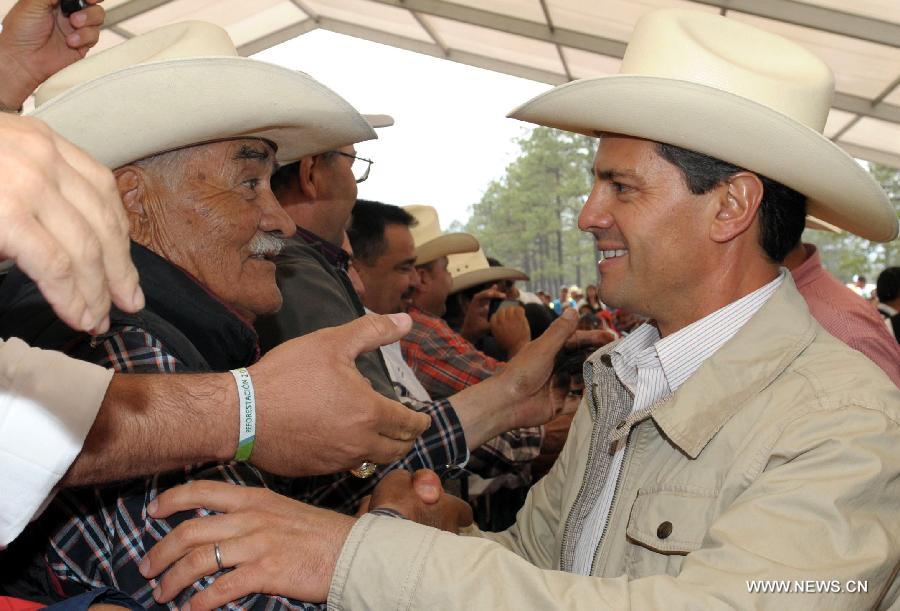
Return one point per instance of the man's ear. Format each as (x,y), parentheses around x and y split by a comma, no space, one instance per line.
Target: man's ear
(424,276)
(132,190)
(307,182)
(736,206)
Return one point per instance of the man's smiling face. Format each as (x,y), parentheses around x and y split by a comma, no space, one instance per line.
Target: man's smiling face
(647,225)
(214,215)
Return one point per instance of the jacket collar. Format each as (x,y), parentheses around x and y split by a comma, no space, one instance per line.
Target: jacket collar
(335,255)
(760,351)
(219,334)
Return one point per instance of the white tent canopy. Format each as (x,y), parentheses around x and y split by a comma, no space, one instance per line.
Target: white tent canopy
(554,41)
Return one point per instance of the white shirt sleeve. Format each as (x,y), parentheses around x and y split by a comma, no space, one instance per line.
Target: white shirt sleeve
(48,403)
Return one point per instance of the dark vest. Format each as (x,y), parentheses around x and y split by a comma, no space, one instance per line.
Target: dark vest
(317,295)
(192,325)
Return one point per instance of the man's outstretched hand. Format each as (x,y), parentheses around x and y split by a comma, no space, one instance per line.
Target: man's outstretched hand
(318,414)
(521,394)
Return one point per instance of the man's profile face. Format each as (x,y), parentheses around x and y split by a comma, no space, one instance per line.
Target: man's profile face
(211,221)
(648,226)
(434,288)
(392,277)
(338,190)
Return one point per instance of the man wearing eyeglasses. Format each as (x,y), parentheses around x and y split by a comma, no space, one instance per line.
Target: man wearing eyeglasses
(318,193)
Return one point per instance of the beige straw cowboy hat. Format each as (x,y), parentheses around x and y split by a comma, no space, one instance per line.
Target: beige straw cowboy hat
(185,84)
(472,268)
(820,225)
(430,243)
(729,90)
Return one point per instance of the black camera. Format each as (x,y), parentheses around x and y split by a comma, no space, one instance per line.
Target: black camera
(72,6)
(499,304)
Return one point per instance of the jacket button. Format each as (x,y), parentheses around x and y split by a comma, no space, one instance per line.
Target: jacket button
(664,530)
(606,360)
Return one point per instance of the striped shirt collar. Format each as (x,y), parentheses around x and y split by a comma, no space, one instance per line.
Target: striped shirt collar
(681,354)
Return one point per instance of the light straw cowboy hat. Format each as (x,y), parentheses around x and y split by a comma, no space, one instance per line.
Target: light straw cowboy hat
(472,268)
(723,88)
(820,225)
(430,243)
(184,84)
(379,120)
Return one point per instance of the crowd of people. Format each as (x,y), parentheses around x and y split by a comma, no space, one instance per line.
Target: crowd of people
(227,381)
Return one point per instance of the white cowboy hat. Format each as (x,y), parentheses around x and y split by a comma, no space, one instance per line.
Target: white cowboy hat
(820,225)
(472,268)
(729,90)
(430,243)
(379,120)
(184,84)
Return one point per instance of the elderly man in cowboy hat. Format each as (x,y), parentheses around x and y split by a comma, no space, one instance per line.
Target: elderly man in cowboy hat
(729,454)
(73,242)
(203,222)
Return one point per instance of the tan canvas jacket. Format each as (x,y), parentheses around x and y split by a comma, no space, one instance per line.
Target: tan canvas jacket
(779,459)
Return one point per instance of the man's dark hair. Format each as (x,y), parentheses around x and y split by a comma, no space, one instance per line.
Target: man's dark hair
(367,223)
(283,177)
(287,175)
(888,286)
(782,212)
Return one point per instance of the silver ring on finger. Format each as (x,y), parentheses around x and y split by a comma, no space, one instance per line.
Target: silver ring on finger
(219,558)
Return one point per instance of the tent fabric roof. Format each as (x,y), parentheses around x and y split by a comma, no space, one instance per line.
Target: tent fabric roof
(555,41)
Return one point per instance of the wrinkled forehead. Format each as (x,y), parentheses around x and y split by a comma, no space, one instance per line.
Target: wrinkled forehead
(238,150)
(223,150)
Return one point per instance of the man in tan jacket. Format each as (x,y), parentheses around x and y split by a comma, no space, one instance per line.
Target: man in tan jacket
(728,454)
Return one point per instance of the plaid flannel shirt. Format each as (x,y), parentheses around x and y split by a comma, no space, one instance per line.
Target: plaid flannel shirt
(445,363)
(100,534)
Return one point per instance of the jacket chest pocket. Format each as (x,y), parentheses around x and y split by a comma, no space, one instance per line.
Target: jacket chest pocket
(666,523)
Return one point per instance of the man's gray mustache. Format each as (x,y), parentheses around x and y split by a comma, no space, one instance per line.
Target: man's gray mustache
(266,244)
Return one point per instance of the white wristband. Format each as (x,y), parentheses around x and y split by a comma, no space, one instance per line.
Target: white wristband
(246,413)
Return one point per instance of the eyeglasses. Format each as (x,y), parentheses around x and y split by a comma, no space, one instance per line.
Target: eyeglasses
(360,173)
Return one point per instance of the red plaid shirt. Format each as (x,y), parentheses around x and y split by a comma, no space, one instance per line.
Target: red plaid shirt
(444,361)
